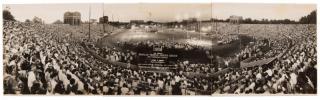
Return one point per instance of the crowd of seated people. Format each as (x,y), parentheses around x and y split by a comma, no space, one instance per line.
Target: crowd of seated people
(292,72)
(187,51)
(39,60)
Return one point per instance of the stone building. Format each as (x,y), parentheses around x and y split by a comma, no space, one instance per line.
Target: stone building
(72,18)
(235,19)
(103,19)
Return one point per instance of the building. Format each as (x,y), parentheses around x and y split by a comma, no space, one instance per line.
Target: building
(191,24)
(72,18)
(93,21)
(137,22)
(37,20)
(235,19)
(104,19)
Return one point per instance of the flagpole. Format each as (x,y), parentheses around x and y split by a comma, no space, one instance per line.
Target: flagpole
(103,20)
(89,21)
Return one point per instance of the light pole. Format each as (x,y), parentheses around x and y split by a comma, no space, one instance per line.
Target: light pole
(89,22)
(199,24)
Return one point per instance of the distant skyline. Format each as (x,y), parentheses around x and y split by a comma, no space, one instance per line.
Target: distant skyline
(161,12)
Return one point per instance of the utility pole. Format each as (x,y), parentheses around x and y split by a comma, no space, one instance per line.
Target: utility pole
(211,34)
(199,28)
(103,20)
(113,22)
(89,22)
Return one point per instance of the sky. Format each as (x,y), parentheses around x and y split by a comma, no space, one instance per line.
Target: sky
(162,12)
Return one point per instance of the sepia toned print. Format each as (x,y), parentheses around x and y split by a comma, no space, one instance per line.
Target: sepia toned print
(159,49)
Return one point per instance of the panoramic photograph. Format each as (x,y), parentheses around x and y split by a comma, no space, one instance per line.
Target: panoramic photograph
(148,49)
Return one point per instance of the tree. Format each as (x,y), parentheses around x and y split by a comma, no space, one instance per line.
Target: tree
(286,21)
(37,20)
(247,21)
(7,15)
(149,22)
(58,22)
(27,21)
(309,19)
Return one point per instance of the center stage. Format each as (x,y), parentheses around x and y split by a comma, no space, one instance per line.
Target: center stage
(206,48)
(192,38)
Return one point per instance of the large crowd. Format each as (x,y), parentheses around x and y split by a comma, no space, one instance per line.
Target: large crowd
(44,59)
(190,58)
(293,70)
(39,60)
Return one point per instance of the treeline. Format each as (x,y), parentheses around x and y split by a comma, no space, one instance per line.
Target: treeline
(262,21)
(309,19)
(266,21)
(7,15)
